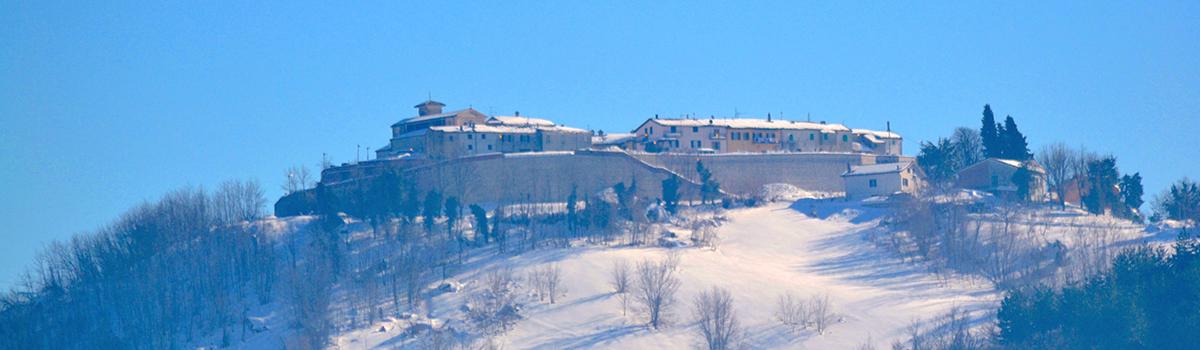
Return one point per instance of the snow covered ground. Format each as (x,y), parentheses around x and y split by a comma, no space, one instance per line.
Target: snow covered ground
(765,252)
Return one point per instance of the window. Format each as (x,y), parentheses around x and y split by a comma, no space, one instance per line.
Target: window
(717,145)
(812,136)
(791,137)
(470,136)
(737,136)
(824,136)
(695,129)
(471,147)
(872,183)
(745,136)
(650,130)
(451,137)
(483,136)
(489,147)
(995,181)
(905,182)
(845,138)
(673,130)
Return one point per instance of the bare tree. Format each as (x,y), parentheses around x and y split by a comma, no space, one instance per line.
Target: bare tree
(547,282)
(621,283)
(716,319)
(656,289)
(821,311)
(1079,168)
(298,179)
(791,312)
(1056,158)
(968,147)
(493,310)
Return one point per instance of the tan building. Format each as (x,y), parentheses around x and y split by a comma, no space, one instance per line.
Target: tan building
(759,136)
(409,135)
(995,175)
(883,179)
(437,136)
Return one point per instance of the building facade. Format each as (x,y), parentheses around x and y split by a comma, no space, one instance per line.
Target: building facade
(995,175)
(883,179)
(759,136)
(435,135)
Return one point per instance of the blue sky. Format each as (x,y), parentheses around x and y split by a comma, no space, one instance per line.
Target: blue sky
(104,105)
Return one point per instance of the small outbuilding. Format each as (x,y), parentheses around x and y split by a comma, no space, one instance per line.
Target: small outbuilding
(995,175)
(883,179)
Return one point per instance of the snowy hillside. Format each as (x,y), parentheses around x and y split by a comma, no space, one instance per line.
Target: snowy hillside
(765,252)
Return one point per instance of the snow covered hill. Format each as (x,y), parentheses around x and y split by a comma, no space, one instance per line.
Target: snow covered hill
(765,252)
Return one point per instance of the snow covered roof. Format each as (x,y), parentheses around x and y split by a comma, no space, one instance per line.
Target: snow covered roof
(432,116)
(877,169)
(518,120)
(507,129)
(747,123)
(1012,163)
(612,139)
(500,129)
(872,134)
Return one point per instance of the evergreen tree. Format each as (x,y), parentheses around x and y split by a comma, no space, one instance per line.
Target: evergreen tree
(709,187)
(410,208)
(572,216)
(1013,143)
(432,209)
(989,134)
(452,209)
(1103,178)
(481,223)
(1131,194)
(1023,179)
(670,193)
(935,159)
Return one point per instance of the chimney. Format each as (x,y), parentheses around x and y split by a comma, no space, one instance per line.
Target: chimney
(768,117)
(429,107)
(517,113)
(889,126)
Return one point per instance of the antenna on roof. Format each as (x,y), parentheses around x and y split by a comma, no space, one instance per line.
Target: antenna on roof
(768,117)
(655,115)
(889,126)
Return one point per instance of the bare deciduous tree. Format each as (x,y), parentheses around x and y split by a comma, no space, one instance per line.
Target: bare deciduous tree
(298,179)
(655,291)
(717,321)
(621,281)
(791,312)
(1056,158)
(821,311)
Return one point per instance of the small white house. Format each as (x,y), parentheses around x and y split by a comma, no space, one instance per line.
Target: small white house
(883,179)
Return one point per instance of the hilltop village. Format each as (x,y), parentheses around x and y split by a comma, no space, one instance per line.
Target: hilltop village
(517,158)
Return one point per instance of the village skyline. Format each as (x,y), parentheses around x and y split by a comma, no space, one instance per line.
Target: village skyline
(98,106)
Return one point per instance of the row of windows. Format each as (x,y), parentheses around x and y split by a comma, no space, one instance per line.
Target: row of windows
(522,138)
(872,183)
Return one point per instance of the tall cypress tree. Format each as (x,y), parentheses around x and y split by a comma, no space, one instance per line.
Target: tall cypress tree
(989,134)
(1013,142)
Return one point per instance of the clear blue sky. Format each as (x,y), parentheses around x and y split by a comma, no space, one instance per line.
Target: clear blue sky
(103,106)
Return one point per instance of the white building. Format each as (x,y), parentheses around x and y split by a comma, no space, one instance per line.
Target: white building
(883,179)
(760,135)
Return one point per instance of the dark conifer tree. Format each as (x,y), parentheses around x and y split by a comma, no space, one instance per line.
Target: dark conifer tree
(433,209)
(670,193)
(1131,194)
(989,134)
(1013,143)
